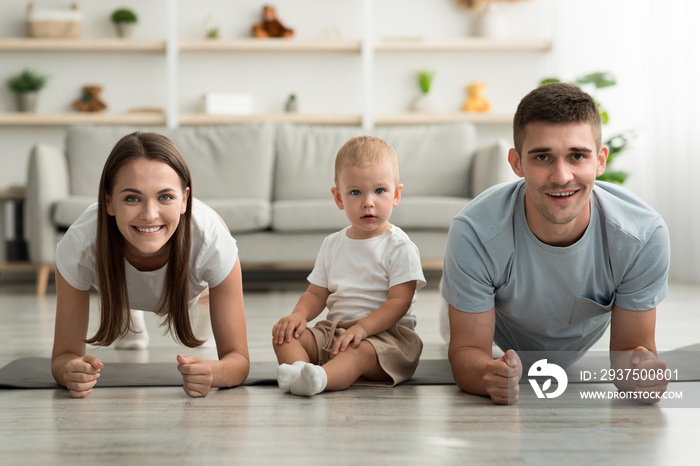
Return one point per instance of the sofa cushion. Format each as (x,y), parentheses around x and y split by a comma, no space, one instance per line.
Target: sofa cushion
(67,210)
(304,168)
(242,215)
(231,161)
(490,166)
(308,215)
(434,160)
(418,212)
(427,212)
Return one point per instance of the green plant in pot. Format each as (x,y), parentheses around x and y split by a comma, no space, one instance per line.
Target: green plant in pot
(616,143)
(26,85)
(124,20)
(423,102)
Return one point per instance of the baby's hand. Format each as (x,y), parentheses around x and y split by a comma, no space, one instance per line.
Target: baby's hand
(354,335)
(196,375)
(289,326)
(80,375)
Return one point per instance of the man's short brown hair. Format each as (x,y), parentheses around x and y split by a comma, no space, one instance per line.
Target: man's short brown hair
(557,103)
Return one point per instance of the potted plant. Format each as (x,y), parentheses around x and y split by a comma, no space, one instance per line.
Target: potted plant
(423,102)
(616,143)
(124,20)
(26,86)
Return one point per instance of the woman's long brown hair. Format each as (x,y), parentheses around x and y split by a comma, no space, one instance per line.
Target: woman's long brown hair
(115,318)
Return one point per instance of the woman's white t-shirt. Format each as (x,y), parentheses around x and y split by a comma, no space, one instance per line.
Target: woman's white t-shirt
(212,257)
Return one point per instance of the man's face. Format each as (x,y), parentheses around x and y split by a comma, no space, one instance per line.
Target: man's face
(560,164)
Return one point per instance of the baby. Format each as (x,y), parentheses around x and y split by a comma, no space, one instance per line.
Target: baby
(367,275)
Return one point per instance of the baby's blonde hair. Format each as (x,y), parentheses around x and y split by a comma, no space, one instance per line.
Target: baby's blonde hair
(362,151)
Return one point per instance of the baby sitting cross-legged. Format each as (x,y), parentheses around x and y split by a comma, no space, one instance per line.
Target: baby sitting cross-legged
(366,275)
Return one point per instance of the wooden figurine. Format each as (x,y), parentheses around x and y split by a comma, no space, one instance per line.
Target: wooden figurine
(90,100)
(270,26)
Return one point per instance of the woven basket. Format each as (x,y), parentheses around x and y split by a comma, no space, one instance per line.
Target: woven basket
(65,29)
(54,23)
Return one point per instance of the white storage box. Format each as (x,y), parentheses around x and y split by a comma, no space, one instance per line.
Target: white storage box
(54,23)
(228,103)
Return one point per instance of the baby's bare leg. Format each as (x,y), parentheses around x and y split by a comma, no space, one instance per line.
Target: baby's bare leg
(303,349)
(339,373)
(348,366)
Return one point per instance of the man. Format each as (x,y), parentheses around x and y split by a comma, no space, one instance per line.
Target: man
(547,263)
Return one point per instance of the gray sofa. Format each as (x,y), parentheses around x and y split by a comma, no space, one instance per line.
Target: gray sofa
(270,182)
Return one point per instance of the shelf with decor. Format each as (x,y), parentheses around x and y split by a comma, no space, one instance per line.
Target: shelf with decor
(173,48)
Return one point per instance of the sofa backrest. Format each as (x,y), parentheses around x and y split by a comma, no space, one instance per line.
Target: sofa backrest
(434,160)
(232,161)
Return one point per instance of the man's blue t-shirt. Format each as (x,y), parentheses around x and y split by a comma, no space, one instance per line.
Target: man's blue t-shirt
(555,298)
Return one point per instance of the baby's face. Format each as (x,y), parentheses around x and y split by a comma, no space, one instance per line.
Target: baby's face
(367,194)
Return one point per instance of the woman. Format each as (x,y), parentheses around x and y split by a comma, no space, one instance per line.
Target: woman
(148,245)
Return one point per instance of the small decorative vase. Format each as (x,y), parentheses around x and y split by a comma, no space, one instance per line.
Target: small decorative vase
(26,101)
(291,106)
(124,29)
(422,103)
(491,23)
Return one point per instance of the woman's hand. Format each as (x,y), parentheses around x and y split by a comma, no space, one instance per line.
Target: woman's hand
(196,375)
(80,375)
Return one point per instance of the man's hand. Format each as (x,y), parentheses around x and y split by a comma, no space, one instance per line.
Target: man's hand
(352,336)
(196,374)
(288,327)
(647,362)
(502,377)
(80,375)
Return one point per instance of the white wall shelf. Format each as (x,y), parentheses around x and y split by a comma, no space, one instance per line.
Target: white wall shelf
(79,45)
(409,118)
(64,119)
(269,45)
(191,119)
(465,44)
(173,48)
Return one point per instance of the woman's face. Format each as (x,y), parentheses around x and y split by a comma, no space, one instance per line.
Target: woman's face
(147,201)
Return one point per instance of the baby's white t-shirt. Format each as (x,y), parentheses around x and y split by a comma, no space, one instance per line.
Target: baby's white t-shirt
(359,272)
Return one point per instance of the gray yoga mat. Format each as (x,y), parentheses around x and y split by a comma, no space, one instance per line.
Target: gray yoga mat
(35,372)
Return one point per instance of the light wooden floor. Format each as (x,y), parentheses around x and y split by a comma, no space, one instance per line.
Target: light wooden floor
(261,425)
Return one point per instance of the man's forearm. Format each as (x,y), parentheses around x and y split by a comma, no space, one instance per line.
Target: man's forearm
(468,368)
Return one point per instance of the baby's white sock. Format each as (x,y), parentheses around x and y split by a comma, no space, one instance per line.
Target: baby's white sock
(312,380)
(288,372)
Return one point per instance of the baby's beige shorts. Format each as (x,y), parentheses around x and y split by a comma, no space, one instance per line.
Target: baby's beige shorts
(398,348)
